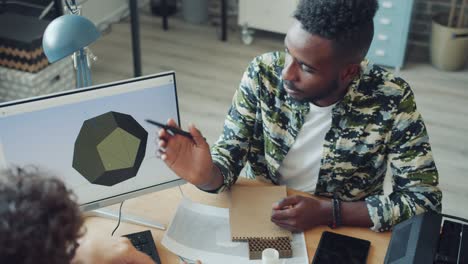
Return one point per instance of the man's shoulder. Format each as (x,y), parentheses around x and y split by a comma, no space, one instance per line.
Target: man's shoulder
(381,83)
(266,70)
(269,61)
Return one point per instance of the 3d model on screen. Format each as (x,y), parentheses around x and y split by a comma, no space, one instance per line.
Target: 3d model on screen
(109,148)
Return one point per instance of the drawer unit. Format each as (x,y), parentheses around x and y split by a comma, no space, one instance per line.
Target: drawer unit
(391,27)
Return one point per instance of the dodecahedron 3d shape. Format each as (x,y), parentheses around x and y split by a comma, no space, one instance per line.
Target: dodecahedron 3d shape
(109,148)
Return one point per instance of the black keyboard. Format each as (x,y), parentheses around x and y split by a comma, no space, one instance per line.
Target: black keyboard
(143,241)
(453,244)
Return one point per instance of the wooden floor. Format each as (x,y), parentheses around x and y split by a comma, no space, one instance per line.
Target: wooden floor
(209,71)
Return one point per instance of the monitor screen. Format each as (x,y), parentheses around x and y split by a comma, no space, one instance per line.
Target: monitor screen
(94,138)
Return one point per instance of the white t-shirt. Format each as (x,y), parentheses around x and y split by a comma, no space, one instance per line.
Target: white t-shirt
(301,166)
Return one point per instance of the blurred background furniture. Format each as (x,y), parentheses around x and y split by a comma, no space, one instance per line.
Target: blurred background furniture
(391,26)
(391,22)
(56,77)
(20,42)
(24,69)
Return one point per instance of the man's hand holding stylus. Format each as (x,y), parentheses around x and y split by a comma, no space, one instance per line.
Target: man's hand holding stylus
(189,159)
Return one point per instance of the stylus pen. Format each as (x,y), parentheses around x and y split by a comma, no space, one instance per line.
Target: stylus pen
(171,130)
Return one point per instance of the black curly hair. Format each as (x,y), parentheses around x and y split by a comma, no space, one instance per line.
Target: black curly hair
(39,219)
(348,23)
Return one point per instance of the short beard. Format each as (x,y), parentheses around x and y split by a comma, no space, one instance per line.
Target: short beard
(330,90)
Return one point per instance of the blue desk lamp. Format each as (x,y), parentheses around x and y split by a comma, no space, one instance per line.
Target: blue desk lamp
(70,34)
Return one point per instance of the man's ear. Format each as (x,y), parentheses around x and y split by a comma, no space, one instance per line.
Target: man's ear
(350,72)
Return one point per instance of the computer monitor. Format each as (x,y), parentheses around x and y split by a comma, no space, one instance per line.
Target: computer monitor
(94,138)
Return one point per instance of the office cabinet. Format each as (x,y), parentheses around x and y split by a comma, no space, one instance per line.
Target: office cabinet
(391,27)
(269,15)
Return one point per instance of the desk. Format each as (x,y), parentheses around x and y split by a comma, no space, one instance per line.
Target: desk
(161,206)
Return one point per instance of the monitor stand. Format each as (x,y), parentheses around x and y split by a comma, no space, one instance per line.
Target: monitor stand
(114,215)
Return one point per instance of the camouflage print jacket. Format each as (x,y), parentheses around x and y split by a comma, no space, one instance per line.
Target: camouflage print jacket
(374,125)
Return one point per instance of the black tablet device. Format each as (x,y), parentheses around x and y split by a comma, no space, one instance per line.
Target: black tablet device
(335,248)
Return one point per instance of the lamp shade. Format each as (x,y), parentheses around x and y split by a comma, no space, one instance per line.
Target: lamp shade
(67,34)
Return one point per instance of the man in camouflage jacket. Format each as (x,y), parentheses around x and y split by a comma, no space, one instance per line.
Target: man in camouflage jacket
(374,123)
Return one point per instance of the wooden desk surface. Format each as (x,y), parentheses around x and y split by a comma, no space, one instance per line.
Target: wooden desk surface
(161,206)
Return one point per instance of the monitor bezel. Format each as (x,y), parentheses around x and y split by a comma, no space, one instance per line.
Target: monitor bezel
(123,196)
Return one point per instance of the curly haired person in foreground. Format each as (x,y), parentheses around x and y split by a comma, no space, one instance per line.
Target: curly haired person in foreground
(41,223)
